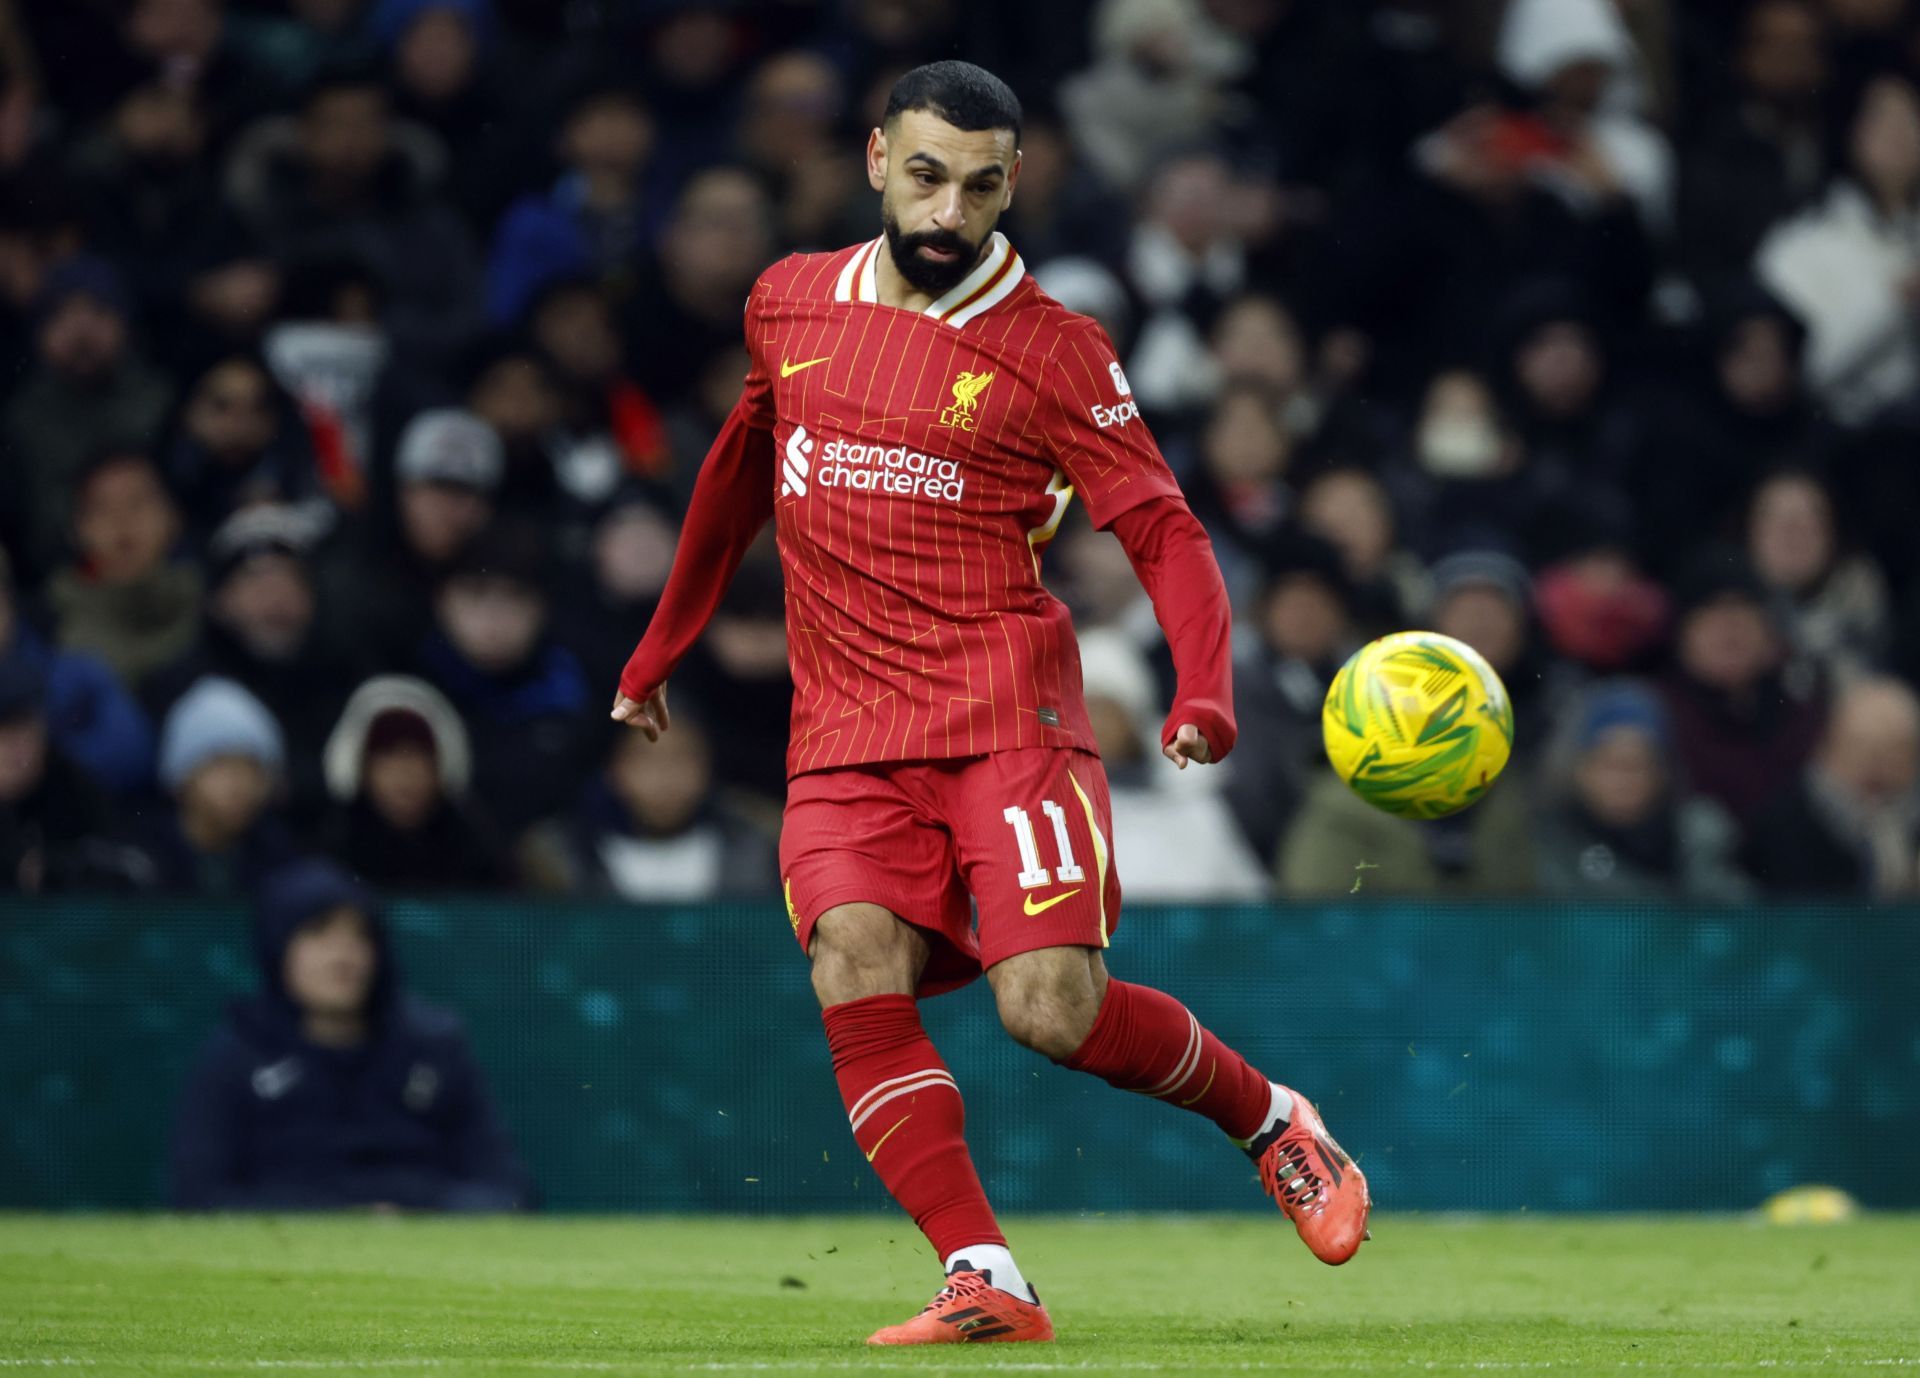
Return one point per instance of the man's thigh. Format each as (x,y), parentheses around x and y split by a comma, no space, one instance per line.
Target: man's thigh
(856,836)
(1033,831)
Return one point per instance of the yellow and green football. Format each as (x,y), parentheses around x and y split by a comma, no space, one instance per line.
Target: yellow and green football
(1418,724)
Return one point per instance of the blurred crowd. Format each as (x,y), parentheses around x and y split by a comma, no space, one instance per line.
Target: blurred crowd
(359,356)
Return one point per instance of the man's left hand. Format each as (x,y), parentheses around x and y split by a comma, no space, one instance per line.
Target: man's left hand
(1187,745)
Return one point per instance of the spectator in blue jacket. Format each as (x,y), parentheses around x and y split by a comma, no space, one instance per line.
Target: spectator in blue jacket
(90,716)
(331,1088)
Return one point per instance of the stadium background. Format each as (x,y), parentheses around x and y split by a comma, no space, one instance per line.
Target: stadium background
(1583,331)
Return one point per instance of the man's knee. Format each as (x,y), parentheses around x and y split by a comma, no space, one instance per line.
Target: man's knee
(1049,999)
(860,950)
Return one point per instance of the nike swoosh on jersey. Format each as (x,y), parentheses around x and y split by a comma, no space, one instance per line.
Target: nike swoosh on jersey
(787,370)
(888,1135)
(1033,908)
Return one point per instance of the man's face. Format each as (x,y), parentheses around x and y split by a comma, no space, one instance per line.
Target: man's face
(720,236)
(267,604)
(942,191)
(331,962)
(1728,644)
(662,783)
(492,622)
(227,794)
(576,328)
(438,518)
(83,338)
(125,522)
(231,411)
(1783,59)
(1560,368)
(1304,619)
(608,137)
(23,757)
(1621,777)
(403,785)
(436,55)
(1487,620)
(345,133)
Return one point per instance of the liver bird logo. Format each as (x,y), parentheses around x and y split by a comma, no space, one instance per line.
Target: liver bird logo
(967,388)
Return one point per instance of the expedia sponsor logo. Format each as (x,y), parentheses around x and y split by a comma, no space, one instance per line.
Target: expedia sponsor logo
(1126,411)
(812,461)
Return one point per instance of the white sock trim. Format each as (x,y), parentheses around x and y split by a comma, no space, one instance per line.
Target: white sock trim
(1279,1110)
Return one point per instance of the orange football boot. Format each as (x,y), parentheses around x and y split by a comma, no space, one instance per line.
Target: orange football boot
(967,1310)
(1316,1185)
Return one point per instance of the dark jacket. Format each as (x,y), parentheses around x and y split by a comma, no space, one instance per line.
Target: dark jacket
(452,850)
(90,715)
(173,865)
(269,1121)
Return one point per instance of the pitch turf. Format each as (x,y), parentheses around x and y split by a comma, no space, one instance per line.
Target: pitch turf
(540,1298)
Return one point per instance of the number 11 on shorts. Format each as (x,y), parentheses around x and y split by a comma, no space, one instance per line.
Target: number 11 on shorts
(1032,873)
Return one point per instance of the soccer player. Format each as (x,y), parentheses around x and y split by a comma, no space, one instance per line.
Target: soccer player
(916,418)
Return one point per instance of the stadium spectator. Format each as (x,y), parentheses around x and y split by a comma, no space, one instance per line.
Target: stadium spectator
(380,579)
(602,614)
(1178,836)
(440,55)
(1744,718)
(55,826)
(1846,265)
(240,441)
(398,765)
(88,391)
(1485,598)
(1850,825)
(345,178)
(789,132)
(262,630)
(1348,507)
(650,826)
(126,599)
(1238,488)
(1303,620)
(331,1088)
(1598,610)
(1338,844)
(1837,608)
(608,426)
(221,763)
(90,717)
(595,222)
(1762,153)
(739,676)
(1616,824)
(522,695)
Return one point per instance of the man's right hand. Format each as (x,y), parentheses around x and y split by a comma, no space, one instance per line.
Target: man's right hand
(650,717)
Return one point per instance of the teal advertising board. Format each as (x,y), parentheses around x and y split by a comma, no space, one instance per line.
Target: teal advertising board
(1544,1057)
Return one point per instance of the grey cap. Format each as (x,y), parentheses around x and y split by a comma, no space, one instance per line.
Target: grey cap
(449,445)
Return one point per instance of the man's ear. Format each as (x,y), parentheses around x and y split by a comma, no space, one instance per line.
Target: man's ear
(877,159)
(1013,177)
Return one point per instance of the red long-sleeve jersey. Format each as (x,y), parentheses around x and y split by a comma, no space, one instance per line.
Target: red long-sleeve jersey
(916,464)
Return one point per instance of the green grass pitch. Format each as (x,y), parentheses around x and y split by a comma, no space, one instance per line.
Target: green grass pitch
(1202,1295)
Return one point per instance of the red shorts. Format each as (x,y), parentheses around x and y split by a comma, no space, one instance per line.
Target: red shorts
(1026,833)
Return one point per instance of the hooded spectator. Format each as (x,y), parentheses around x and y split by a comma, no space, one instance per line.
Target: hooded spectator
(398,766)
(1180,841)
(1846,265)
(1850,824)
(715,242)
(523,696)
(1763,153)
(55,827)
(1838,612)
(222,760)
(1616,823)
(1744,717)
(239,441)
(447,471)
(1577,61)
(345,178)
(126,599)
(331,1088)
(1304,623)
(88,391)
(263,630)
(90,717)
(651,827)
(594,222)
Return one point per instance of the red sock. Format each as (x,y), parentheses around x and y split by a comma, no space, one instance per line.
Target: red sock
(907,1118)
(1148,1042)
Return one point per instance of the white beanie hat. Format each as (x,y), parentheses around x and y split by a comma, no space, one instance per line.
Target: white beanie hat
(216,717)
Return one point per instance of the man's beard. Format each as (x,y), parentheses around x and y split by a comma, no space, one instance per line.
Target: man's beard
(935,279)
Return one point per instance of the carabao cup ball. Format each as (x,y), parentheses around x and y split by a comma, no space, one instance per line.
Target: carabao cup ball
(1418,724)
